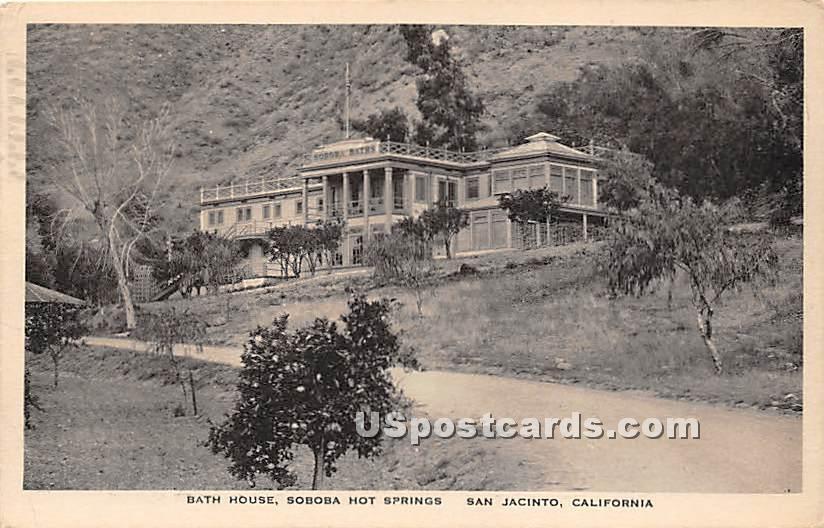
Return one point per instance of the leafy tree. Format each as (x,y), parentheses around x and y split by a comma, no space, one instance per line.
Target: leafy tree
(404,259)
(392,125)
(773,60)
(530,205)
(221,259)
(625,179)
(52,328)
(306,388)
(451,112)
(668,233)
(40,258)
(39,264)
(734,127)
(328,236)
(82,269)
(289,246)
(30,400)
(294,246)
(415,228)
(443,222)
(200,260)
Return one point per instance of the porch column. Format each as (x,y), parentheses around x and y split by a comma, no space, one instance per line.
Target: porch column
(366,204)
(325,179)
(325,197)
(346,197)
(345,249)
(508,232)
(595,189)
(407,193)
(388,199)
(578,197)
(305,199)
(585,226)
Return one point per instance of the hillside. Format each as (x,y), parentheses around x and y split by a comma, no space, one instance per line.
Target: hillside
(249,100)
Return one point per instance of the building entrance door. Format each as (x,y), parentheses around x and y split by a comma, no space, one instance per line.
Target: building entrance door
(356,242)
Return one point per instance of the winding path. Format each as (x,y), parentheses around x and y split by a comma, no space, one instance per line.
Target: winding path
(739,451)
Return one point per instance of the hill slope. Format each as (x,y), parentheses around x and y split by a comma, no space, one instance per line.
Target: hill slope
(249,100)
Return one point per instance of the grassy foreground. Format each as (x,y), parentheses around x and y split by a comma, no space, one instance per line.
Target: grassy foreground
(111,425)
(544,315)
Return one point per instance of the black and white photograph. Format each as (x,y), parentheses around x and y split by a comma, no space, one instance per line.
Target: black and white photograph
(417,258)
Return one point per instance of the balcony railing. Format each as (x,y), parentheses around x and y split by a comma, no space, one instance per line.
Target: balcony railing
(251,188)
(335,210)
(355,208)
(376,206)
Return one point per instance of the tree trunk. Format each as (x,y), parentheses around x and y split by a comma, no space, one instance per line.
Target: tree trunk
(447,248)
(55,365)
(705,327)
(419,300)
(194,396)
(317,477)
(123,286)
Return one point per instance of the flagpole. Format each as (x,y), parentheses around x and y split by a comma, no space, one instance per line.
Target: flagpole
(347,101)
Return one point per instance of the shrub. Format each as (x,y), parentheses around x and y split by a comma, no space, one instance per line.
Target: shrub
(305,388)
(404,260)
(168,328)
(52,328)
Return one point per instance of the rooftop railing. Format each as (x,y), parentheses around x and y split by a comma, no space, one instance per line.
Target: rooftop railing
(251,188)
(403,149)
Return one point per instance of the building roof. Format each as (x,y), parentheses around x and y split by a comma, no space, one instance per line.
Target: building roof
(542,143)
(40,294)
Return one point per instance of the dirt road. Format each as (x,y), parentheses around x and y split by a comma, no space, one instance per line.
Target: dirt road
(739,451)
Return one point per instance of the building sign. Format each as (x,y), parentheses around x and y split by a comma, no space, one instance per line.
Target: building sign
(345,149)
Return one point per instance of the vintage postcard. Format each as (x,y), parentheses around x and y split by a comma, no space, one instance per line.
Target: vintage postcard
(411,263)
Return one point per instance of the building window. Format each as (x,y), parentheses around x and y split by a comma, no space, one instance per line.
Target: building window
(501,182)
(587,194)
(299,207)
(320,204)
(219,217)
(473,188)
(244,214)
(571,185)
(267,211)
(277,213)
(556,179)
(420,189)
(519,180)
(212,218)
(452,193)
(537,179)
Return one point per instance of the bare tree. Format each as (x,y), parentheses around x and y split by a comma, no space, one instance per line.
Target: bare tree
(114,172)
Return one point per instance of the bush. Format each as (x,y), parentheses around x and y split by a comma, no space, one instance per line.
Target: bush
(52,328)
(167,329)
(306,388)
(403,260)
